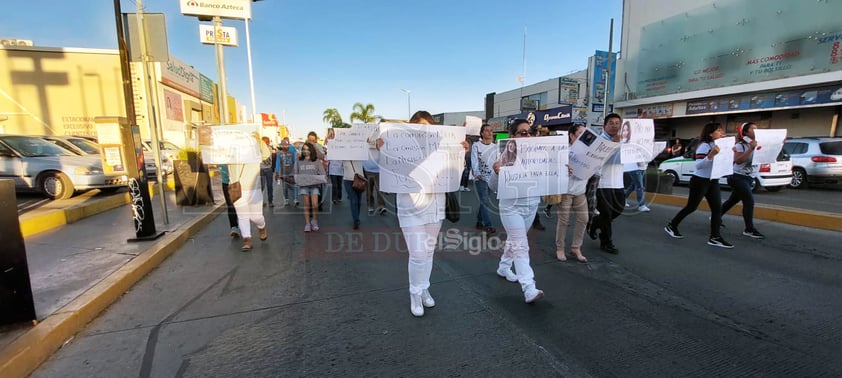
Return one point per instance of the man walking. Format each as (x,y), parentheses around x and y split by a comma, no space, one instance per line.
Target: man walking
(610,196)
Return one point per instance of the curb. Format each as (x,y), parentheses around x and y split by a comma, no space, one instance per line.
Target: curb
(807,218)
(30,350)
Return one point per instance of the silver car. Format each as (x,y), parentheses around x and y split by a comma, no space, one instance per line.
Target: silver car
(38,165)
(84,146)
(815,160)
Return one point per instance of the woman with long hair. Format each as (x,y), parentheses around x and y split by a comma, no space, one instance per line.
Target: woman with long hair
(576,201)
(744,173)
(509,155)
(481,152)
(517,215)
(625,132)
(702,186)
(309,165)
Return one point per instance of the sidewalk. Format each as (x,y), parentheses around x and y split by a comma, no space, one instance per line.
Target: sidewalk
(81,268)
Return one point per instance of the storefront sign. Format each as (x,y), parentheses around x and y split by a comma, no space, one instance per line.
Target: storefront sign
(236,9)
(224,35)
(181,76)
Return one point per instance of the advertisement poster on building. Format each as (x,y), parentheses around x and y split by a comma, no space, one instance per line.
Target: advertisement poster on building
(421,158)
(637,137)
(769,145)
(531,167)
(173,106)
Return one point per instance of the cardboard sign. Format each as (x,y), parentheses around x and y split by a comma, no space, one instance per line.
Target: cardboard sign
(421,158)
(589,153)
(637,137)
(531,167)
(230,144)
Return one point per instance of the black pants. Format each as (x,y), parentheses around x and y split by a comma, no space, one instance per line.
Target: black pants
(336,190)
(232,212)
(610,203)
(741,191)
(709,190)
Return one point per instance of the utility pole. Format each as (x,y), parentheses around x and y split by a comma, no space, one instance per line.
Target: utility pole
(220,68)
(608,87)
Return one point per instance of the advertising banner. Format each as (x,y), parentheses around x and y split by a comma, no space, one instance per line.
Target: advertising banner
(174,108)
(421,158)
(637,137)
(224,35)
(531,167)
(181,76)
(205,88)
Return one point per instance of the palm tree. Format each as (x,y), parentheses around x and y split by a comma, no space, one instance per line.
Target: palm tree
(364,113)
(333,117)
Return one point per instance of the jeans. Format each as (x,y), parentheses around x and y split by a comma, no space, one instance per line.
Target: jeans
(636,185)
(290,191)
(355,198)
(482,192)
(336,187)
(516,220)
(702,188)
(741,191)
(373,191)
(266,182)
(610,203)
(232,212)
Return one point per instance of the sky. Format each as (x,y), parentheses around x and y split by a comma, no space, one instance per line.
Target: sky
(311,55)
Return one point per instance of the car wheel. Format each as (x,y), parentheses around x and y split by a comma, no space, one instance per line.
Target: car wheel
(56,185)
(774,188)
(799,178)
(673,175)
(755,185)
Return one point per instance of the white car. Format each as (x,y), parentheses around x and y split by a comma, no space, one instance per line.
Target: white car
(773,177)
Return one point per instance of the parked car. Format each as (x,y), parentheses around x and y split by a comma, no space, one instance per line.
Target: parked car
(169,153)
(773,177)
(815,160)
(88,146)
(38,165)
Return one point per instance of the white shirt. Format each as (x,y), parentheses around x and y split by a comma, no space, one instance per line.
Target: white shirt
(416,209)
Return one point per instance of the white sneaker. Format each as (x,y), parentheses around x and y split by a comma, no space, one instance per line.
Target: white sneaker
(314,225)
(415,305)
(427,299)
(467,189)
(307,227)
(507,273)
(643,209)
(627,204)
(532,294)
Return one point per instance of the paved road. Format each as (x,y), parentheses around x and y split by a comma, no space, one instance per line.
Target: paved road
(306,305)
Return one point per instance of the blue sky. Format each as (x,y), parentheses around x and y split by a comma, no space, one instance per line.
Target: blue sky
(310,55)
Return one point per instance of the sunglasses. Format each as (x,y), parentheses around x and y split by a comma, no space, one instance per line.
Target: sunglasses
(522,133)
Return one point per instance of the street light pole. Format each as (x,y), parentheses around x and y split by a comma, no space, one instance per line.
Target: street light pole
(408,103)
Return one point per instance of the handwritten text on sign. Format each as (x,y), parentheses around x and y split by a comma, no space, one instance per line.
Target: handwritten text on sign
(533,167)
(421,158)
(230,144)
(350,144)
(589,153)
(637,137)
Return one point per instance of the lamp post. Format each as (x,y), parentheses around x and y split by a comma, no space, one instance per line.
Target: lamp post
(408,103)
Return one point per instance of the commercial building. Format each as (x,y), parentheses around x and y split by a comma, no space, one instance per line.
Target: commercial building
(774,62)
(456,118)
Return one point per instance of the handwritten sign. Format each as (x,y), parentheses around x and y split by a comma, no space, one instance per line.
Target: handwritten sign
(421,158)
(472,125)
(723,162)
(658,147)
(589,153)
(636,138)
(230,144)
(769,145)
(531,167)
(350,144)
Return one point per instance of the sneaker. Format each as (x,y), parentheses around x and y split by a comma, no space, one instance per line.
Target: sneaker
(307,227)
(381,211)
(427,299)
(461,188)
(297,203)
(627,204)
(271,204)
(547,213)
(235,232)
(673,231)
(754,234)
(286,203)
(644,209)
(356,225)
(467,189)
(719,242)
(507,273)
(370,211)
(532,295)
(314,225)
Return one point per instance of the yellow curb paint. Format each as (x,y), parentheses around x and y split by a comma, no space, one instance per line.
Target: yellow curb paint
(26,353)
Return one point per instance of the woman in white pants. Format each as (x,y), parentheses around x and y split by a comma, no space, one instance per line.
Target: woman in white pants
(250,205)
(516,215)
(420,216)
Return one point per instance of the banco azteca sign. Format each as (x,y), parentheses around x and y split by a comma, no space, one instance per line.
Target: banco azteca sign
(237,9)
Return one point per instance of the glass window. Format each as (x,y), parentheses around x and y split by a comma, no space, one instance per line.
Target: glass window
(831,148)
(795,148)
(89,147)
(31,147)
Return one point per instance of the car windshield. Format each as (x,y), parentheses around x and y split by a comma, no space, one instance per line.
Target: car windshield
(85,145)
(831,148)
(32,146)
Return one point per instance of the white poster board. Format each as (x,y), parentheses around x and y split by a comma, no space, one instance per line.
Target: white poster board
(723,162)
(636,138)
(418,158)
(658,147)
(769,145)
(230,144)
(350,144)
(589,153)
(472,125)
(531,167)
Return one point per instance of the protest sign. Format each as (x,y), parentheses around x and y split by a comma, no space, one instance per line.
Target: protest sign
(531,167)
(723,162)
(637,137)
(230,144)
(351,143)
(309,180)
(769,145)
(589,153)
(472,125)
(418,158)
(658,147)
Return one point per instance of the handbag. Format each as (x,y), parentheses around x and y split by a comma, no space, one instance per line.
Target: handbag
(552,199)
(235,189)
(360,183)
(451,206)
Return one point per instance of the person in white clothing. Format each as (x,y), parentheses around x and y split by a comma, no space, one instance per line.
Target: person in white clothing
(516,215)
(420,216)
(250,205)
(610,200)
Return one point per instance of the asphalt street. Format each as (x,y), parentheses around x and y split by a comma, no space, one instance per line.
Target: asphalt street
(335,303)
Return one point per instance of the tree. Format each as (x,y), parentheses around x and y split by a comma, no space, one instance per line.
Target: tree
(364,113)
(333,117)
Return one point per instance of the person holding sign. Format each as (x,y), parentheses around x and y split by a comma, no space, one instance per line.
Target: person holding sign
(610,196)
(701,185)
(576,200)
(743,177)
(481,151)
(250,205)
(420,216)
(517,214)
(310,176)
